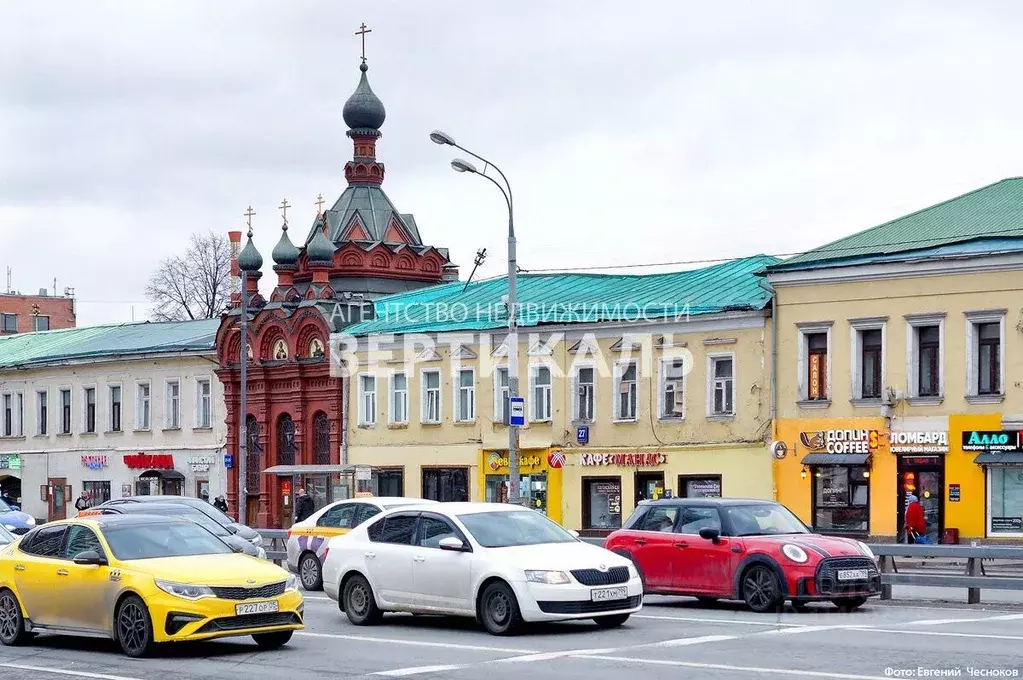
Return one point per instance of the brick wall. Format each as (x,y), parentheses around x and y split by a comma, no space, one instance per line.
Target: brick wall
(60,310)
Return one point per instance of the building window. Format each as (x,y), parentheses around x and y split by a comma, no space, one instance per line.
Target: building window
(1005,510)
(96,492)
(40,323)
(602,503)
(584,394)
(868,358)
(673,389)
(721,385)
(446,484)
(8,415)
(253,452)
(142,406)
(65,411)
(626,391)
(399,399)
(90,410)
(203,403)
(172,406)
(285,440)
(388,483)
(115,408)
(925,369)
(9,323)
(501,395)
(431,405)
(814,377)
(985,355)
(699,486)
(367,400)
(841,495)
(42,414)
(540,390)
(465,404)
(321,446)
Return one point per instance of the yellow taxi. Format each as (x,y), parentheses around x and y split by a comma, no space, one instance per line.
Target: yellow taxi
(307,541)
(142,581)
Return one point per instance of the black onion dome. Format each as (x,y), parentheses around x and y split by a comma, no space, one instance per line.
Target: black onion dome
(249,259)
(364,110)
(285,252)
(320,249)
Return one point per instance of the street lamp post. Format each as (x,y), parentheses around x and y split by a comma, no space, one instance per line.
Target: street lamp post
(243,435)
(514,474)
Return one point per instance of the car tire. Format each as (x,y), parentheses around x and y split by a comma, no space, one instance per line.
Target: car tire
(310,572)
(707,601)
(499,609)
(849,604)
(269,641)
(761,590)
(358,602)
(133,628)
(12,623)
(612,621)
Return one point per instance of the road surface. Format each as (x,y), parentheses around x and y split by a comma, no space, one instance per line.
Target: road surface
(670,638)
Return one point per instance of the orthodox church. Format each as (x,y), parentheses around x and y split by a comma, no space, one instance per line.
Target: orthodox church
(356,251)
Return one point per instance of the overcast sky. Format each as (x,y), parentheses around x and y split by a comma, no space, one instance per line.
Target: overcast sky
(631,132)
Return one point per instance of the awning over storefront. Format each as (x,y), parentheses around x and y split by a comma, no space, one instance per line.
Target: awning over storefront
(990,458)
(835,459)
(162,474)
(292,470)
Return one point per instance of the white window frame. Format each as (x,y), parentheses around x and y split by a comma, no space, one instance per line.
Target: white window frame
(914,322)
(423,397)
(712,360)
(392,392)
(200,406)
(501,393)
(143,409)
(802,364)
(367,400)
(856,329)
(973,319)
(42,422)
(535,415)
(577,368)
(7,401)
(110,407)
(457,389)
(170,406)
(70,411)
(620,367)
(662,386)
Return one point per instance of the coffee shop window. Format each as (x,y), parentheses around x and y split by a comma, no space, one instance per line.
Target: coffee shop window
(814,377)
(602,504)
(841,499)
(1005,505)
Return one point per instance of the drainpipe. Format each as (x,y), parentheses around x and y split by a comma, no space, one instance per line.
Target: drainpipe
(345,388)
(774,363)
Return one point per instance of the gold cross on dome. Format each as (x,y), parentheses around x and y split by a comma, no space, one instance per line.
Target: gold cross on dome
(319,204)
(284,209)
(248,218)
(362,32)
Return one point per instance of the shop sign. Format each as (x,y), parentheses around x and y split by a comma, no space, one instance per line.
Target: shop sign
(10,462)
(95,462)
(1007,525)
(841,441)
(149,461)
(556,459)
(988,440)
(201,463)
(496,461)
(918,442)
(623,459)
(953,493)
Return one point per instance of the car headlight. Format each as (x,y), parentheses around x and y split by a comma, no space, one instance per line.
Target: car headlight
(867,551)
(549,577)
(292,584)
(186,591)
(31,521)
(794,553)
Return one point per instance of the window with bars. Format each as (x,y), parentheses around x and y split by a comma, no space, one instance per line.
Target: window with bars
(252,454)
(321,448)
(285,440)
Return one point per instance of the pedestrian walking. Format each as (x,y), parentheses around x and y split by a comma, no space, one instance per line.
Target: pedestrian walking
(304,506)
(916,523)
(82,503)
(220,503)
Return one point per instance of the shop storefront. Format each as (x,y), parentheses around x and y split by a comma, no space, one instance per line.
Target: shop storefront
(1000,454)
(540,478)
(10,477)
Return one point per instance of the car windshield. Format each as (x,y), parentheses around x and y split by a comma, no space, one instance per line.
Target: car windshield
(762,519)
(507,529)
(150,540)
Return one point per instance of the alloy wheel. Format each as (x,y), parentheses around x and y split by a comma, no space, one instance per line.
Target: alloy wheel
(760,588)
(131,627)
(10,618)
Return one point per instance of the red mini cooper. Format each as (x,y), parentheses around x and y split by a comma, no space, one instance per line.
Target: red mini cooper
(751,550)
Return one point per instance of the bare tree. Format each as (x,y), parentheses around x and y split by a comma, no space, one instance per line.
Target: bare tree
(194,284)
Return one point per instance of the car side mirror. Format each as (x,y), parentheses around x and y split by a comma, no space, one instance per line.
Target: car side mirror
(710,534)
(453,544)
(90,558)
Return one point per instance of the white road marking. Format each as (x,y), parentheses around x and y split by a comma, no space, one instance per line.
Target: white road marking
(939,622)
(419,643)
(685,642)
(737,669)
(809,629)
(63,671)
(941,633)
(694,619)
(416,670)
(547,656)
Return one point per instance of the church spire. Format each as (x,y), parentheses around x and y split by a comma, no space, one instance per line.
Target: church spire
(364,114)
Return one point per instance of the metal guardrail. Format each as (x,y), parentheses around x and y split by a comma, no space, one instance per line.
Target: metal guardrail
(274,544)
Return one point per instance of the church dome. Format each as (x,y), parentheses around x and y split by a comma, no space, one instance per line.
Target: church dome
(364,110)
(249,259)
(319,248)
(285,253)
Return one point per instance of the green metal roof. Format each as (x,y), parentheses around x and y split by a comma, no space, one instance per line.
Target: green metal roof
(27,350)
(574,298)
(991,212)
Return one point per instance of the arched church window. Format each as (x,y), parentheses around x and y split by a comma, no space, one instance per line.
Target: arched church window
(285,440)
(321,425)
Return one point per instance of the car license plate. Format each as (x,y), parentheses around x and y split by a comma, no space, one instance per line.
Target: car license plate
(852,575)
(605,594)
(256,608)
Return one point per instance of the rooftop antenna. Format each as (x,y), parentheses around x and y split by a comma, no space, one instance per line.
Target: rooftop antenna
(54,286)
(480,256)
(8,279)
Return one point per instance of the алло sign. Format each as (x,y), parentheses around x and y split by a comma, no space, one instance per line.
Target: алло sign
(991,440)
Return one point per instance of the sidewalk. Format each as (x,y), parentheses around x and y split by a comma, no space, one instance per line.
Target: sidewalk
(955,595)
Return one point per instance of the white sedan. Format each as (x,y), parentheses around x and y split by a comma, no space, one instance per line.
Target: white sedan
(502,564)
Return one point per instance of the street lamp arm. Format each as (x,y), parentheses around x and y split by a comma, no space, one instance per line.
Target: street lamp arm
(508,195)
(507,198)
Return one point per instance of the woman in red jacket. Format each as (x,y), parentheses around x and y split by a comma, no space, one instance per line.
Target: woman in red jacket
(916,525)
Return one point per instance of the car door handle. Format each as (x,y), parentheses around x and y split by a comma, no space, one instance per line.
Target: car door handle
(682,544)
(62,572)
(640,541)
(370,555)
(18,567)
(419,558)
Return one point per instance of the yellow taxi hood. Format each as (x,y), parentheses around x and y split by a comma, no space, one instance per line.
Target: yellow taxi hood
(230,569)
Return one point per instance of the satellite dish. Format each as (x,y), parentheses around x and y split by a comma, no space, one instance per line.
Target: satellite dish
(778,449)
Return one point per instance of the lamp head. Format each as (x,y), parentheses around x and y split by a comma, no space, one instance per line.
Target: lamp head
(439,137)
(458,165)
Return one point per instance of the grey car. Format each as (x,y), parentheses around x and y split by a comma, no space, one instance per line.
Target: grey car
(202,506)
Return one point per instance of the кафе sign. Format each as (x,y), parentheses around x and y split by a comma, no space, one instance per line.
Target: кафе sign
(623,459)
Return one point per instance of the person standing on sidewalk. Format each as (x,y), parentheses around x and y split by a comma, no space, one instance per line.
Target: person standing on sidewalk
(916,523)
(304,506)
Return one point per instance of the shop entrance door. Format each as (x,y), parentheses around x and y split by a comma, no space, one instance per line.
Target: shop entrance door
(924,477)
(649,486)
(532,488)
(59,494)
